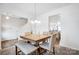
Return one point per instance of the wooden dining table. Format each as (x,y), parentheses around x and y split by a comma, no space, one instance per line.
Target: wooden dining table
(36,38)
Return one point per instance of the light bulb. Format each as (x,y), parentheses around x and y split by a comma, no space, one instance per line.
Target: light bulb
(7,17)
(36,21)
(32,22)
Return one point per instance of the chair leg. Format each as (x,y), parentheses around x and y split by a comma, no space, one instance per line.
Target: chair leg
(54,50)
(16,50)
(49,52)
(37,52)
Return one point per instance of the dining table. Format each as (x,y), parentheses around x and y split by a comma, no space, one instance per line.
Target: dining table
(36,38)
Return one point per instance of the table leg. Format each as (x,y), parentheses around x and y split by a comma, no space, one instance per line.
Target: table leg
(38,50)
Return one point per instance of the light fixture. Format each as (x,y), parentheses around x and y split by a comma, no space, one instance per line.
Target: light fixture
(7,17)
(35,20)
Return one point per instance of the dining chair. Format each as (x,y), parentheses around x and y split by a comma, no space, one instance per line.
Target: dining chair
(28,33)
(24,47)
(52,44)
(24,34)
(45,33)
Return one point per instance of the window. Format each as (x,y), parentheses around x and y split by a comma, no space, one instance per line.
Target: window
(54,23)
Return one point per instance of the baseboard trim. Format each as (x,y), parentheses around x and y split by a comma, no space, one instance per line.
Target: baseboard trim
(69,47)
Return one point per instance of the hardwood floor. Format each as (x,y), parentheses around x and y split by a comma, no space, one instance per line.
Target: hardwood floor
(9,49)
(60,51)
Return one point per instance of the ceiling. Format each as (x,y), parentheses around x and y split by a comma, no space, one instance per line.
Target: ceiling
(27,9)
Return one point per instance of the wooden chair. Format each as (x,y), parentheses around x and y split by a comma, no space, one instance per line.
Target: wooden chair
(53,43)
(24,47)
(45,33)
(24,34)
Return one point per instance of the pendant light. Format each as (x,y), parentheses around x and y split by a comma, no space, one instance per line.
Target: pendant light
(35,20)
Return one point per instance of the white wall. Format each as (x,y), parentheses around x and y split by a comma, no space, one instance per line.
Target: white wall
(26,28)
(0,32)
(69,25)
(11,27)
